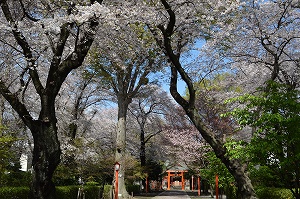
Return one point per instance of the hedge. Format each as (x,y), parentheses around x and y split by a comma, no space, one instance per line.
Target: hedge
(14,192)
(133,189)
(271,192)
(63,192)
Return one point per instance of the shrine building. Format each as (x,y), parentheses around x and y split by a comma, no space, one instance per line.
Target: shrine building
(175,178)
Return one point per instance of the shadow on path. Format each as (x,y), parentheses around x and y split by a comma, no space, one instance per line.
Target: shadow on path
(172,194)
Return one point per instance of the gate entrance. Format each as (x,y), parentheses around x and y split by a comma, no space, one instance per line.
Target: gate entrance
(175,177)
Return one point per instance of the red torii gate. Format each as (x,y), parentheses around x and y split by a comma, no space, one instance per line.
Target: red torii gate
(176,171)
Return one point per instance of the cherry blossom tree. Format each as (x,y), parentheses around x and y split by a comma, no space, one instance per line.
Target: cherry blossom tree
(78,102)
(41,43)
(178,28)
(145,121)
(270,50)
(78,108)
(148,112)
(123,66)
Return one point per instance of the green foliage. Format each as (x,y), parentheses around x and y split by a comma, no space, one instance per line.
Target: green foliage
(236,149)
(15,178)
(135,189)
(92,183)
(264,176)
(9,161)
(67,192)
(62,192)
(65,176)
(93,170)
(14,192)
(6,142)
(107,192)
(154,169)
(274,116)
(216,167)
(271,192)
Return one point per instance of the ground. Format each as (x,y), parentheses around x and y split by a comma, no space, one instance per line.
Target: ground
(192,195)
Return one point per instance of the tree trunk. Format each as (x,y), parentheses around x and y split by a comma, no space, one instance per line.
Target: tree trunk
(121,146)
(235,167)
(143,153)
(143,148)
(46,157)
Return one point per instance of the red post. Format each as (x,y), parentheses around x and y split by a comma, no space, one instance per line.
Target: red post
(217,186)
(117,167)
(199,190)
(182,181)
(169,179)
(192,183)
(147,185)
(117,184)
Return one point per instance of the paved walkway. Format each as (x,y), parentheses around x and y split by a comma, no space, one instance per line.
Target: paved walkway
(181,195)
(172,194)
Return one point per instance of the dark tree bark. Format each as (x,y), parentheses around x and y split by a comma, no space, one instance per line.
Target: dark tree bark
(46,152)
(235,167)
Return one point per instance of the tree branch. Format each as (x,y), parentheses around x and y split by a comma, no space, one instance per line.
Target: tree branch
(16,104)
(152,135)
(22,42)
(26,13)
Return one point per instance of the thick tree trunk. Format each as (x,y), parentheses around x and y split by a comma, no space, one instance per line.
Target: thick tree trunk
(121,147)
(143,153)
(143,148)
(46,157)
(235,167)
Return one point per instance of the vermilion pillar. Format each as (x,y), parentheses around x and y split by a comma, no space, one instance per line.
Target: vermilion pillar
(182,181)
(199,190)
(217,186)
(147,184)
(169,181)
(192,183)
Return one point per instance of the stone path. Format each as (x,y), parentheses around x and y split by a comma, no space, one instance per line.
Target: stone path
(172,194)
(175,194)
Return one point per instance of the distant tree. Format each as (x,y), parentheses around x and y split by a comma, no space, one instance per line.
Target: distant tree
(148,111)
(182,141)
(78,103)
(124,71)
(146,119)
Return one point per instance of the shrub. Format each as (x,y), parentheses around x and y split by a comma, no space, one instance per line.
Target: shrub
(107,191)
(67,192)
(14,192)
(135,189)
(92,183)
(62,192)
(70,192)
(16,179)
(271,192)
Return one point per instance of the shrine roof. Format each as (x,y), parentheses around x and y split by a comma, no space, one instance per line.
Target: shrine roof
(177,168)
